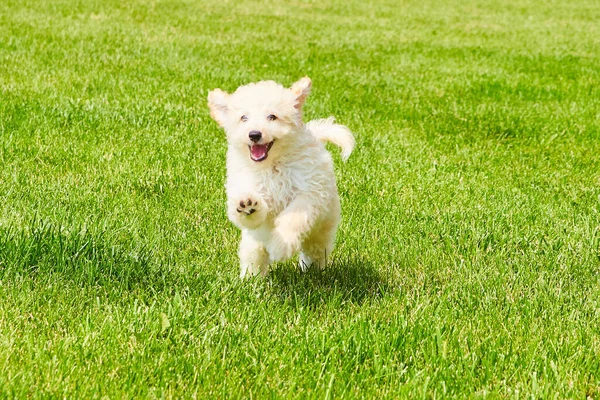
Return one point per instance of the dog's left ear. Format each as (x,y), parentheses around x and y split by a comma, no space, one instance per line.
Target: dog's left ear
(301,90)
(217,102)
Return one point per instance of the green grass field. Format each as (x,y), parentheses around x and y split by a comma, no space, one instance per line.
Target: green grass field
(468,259)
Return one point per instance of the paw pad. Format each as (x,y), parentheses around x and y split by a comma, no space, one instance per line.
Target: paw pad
(247,206)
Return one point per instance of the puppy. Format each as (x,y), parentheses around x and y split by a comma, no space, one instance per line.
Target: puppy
(280,185)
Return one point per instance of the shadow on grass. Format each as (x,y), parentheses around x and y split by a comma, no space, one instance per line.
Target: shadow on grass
(84,257)
(115,261)
(344,281)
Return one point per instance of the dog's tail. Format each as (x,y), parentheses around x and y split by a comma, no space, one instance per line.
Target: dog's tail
(327,130)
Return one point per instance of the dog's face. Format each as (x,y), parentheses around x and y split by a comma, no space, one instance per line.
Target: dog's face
(260,118)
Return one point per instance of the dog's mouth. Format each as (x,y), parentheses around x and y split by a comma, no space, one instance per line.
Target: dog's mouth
(259,152)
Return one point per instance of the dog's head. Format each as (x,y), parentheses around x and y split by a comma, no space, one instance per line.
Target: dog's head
(260,118)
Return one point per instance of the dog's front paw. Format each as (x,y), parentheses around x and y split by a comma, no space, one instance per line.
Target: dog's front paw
(283,245)
(247,206)
(247,211)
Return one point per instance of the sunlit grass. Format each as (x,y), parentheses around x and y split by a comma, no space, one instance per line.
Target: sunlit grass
(468,259)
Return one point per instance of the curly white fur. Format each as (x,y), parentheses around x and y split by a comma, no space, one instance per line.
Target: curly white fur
(281,188)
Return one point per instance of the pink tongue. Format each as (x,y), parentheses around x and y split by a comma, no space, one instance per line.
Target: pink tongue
(258,151)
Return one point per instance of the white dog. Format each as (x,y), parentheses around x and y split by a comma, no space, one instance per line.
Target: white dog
(280,186)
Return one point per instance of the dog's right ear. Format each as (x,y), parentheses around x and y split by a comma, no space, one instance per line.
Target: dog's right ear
(217,102)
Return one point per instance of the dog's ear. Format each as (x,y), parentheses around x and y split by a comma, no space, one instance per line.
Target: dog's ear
(301,89)
(217,102)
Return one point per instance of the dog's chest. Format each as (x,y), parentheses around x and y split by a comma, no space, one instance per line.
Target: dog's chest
(279,186)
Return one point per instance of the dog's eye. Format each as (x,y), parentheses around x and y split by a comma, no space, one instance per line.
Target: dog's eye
(271,117)
(244,118)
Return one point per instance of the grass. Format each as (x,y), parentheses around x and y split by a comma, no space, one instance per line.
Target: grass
(468,260)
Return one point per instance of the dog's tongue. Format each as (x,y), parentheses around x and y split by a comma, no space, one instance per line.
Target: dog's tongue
(259,151)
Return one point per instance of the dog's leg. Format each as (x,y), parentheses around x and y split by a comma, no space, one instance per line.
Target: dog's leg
(305,261)
(254,258)
(246,210)
(292,226)
(314,256)
(318,245)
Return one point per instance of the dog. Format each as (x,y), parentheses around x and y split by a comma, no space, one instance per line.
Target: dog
(281,189)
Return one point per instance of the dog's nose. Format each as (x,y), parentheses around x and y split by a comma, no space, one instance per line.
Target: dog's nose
(255,136)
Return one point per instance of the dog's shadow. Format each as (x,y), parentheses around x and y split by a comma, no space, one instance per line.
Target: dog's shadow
(342,282)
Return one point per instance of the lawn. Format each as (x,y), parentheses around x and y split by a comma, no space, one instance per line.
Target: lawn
(468,258)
